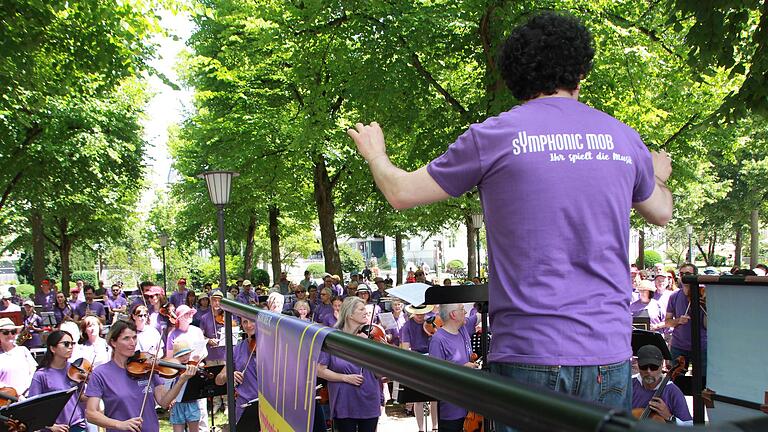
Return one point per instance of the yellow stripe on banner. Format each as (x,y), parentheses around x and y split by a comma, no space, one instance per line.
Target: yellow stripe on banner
(311,370)
(298,362)
(285,375)
(270,419)
(276,345)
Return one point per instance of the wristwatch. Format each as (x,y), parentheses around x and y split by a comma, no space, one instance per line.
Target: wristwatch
(671,419)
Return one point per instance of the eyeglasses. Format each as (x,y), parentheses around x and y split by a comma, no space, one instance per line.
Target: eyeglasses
(10,332)
(650,367)
(67,344)
(141,315)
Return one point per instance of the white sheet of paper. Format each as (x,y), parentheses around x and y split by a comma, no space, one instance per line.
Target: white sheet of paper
(412,293)
(387,320)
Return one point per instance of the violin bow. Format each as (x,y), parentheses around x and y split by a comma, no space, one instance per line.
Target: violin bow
(250,355)
(82,388)
(149,383)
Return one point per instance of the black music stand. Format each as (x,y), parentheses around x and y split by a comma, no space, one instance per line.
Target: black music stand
(249,420)
(38,411)
(199,387)
(643,337)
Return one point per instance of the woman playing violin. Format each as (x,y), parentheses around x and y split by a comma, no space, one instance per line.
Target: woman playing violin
(355,392)
(246,381)
(16,363)
(122,394)
(53,375)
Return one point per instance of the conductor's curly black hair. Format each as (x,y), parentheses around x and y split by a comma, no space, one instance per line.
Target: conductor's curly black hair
(551,51)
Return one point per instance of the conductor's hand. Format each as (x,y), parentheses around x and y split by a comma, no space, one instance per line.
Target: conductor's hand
(58,428)
(662,165)
(369,140)
(133,425)
(354,379)
(238,377)
(683,319)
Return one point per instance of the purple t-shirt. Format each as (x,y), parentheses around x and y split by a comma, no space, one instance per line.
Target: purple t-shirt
(671,395)
(681,335)
(178,298)
(414,334)
(350,401)
(246,297)
(455,348)
(330,320)
(321,311)
(95,308)
(122,395)
(211,331)
(50,379)
(557,180)
(117,303)
(46,300)
(395,331)
(249,389)
(652,310)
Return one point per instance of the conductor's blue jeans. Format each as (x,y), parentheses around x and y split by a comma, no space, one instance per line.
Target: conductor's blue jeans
(609,385)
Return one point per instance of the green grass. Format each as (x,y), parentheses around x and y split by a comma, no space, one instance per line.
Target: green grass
(165,425)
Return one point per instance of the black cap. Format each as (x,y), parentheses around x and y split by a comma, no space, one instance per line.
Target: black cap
(649,355)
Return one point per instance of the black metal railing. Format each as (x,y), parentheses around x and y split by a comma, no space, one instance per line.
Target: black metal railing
(523,407)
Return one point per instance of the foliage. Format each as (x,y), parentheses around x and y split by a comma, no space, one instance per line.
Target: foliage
(317,269)
(384,263)
(260,276)
(23,266)
(651,258)
(89,277)
(454,265)
(209,270)
(351,259)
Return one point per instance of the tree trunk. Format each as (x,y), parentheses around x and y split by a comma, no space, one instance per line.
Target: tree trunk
(326,212)
(38,250)
(754,241)
(274,242)
(65,248)
(248,255)
(399,258)
(471,248)
(641,249)
(737,251)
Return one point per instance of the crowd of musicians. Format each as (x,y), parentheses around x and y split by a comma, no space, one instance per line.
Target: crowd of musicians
(187,327)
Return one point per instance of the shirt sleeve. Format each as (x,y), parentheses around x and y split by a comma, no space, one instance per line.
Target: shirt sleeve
(436,348)
(458,170)
(95,387)
(324,359)
(645,181)
(37,386)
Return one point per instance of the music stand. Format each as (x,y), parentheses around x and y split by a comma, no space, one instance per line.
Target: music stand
(641,322)
(199,387)
(642,337)
(38,411)
(249,420)
(48,319)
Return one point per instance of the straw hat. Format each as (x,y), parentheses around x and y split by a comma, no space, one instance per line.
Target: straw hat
(7,324)
(420,310)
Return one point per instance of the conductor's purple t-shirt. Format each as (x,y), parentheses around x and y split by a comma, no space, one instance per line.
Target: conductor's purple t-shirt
(557,180)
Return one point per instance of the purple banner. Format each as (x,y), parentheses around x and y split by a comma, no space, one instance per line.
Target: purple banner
(287,368)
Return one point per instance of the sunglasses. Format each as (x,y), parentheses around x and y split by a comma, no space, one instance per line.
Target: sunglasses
(67,344)
(141,315)
(150,295)
(10,332)
(650,367)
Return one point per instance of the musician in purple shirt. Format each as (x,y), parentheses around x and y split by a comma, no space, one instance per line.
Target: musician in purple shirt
(646,305)
(452,342)
(354,392)
(679,316)
(247,296)
(90,307)
(413,337)
(46,297)
(671,404)
(246,380)
(211,329)
(52,376)
(179,297)
(122,394)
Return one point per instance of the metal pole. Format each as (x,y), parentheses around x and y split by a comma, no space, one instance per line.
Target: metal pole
(228,328)
(477,242)
(165,283)
(690,249)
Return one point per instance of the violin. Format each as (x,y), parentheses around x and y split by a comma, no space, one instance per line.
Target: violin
(12,425)
(647,412)
(8,395)
(432,324)
(166,311)
(79,370)
(219,318)
(139,366)
(374,332)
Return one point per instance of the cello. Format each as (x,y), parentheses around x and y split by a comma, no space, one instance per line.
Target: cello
(647,412)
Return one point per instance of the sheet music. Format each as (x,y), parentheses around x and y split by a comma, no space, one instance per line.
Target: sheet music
(223,336)
(413,293)
(387,320)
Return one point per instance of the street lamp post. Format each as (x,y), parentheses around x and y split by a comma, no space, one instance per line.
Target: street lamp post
(477,223)
(219,185)
(163,244)
(689,231)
